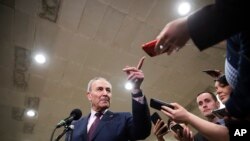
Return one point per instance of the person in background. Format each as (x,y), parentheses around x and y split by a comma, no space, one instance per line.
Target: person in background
(221,85)
(206,102)
(211,129)
(223,89)
(223,20)
(114,126)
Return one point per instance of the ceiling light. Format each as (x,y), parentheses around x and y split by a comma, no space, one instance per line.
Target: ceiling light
(30,113)
(40,58)
(129,85)
(184,8)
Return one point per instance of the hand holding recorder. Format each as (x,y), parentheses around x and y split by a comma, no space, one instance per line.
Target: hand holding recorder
(160,128)
(157,104)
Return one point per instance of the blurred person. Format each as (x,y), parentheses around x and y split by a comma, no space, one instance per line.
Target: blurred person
(213,129)
(206,130)
(206,102)
(114,126)
(223,20)
(221,85)
(223,89)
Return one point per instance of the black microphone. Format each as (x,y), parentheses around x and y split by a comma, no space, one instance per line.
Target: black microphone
(74,115)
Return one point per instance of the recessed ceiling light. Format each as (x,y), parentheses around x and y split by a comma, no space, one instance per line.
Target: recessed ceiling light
(40,58)
(129,85)
(184,8)
(30,113)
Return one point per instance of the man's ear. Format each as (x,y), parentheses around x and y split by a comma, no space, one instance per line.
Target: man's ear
(89,96)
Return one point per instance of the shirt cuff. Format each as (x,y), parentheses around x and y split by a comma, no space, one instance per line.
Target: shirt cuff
(138,96)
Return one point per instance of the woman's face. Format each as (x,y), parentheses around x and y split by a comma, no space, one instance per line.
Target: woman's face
(223,91)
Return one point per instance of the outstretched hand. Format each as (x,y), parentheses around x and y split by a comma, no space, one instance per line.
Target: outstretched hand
(174,36)
(178,114)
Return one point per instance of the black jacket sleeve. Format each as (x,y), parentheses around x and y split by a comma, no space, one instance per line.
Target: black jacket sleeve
(217,22)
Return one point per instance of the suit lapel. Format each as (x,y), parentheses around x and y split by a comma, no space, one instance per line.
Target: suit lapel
(106,117)
(85,124)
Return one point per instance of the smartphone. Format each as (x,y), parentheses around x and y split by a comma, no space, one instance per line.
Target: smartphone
(177,127)
(154,118)
(149,48)
(213,73)
(156,104)
(220,113)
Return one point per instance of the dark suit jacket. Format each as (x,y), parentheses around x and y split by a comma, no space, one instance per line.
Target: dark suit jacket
(224,20)
(120,126)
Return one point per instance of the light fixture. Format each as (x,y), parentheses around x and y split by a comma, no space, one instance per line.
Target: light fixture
(184,8)
(30,113)
(129,85)
(40,58)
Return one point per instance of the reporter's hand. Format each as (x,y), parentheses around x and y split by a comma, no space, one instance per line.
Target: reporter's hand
(178,114)
(174,36)
(158,130)
(187,134)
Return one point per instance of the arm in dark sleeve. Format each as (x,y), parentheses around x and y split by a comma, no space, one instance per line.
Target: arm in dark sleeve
(238,104)
(141,119)
(217,22)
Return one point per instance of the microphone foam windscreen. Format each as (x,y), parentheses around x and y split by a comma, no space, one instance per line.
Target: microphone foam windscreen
(77,113)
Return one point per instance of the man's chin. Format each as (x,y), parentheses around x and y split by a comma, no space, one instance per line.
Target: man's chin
(105,105)
(224,101)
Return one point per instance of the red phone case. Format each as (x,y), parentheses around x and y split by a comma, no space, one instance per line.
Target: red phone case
(149,48)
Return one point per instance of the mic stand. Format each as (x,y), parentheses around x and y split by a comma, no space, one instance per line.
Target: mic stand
(67,128)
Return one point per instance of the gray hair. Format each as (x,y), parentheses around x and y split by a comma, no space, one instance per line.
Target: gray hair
(95,79)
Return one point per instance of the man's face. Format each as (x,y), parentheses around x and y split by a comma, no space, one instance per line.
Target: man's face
(206,104)
(223,91)
(100,95)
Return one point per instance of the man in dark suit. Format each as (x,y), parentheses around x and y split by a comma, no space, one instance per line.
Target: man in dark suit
(114,126)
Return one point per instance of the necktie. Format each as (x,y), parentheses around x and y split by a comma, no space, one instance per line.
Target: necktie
(94,125)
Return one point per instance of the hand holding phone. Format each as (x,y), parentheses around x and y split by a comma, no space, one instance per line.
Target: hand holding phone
(154,118)
(149,48)
(156,104)
(178,129)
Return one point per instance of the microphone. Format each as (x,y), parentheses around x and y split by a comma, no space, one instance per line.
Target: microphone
(74,115)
